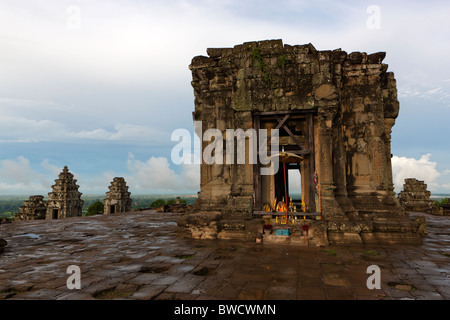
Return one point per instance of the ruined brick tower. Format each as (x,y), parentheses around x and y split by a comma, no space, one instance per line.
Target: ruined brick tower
(334,109)
(32,209)
(118,198)
(415,196)
(65,200)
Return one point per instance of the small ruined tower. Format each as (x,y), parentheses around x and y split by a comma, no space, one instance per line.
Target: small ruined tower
(65,200)
(32,209)
(415,196)
(118,198)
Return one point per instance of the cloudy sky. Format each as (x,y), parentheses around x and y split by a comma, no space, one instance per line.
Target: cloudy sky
(100,85)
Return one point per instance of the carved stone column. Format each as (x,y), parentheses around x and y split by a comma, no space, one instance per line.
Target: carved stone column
(388,124)
(330,207)
(339,169)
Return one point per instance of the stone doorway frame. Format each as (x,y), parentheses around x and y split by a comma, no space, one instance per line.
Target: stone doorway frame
(281,117)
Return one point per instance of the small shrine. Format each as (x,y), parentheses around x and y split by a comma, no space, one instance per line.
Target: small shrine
(117,198)
(415,196)
(65,200)
(33,209)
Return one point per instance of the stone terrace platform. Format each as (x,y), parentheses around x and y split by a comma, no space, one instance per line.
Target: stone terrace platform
(137,255)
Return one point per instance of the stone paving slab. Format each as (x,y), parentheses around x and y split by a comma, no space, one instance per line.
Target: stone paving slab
(138,256)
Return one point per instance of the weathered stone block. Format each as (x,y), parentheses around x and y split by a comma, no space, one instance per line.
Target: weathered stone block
(355,57)
(391,238)
(326,92)
(219,52)
(344,238)
(376,58)
(274,239)
(317,233)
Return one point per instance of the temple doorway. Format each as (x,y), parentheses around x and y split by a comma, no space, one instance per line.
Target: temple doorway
(296,137)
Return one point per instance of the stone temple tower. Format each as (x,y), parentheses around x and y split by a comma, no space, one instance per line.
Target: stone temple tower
(415,196)
(118,198)
(333,110)
(32,209)
(65,200)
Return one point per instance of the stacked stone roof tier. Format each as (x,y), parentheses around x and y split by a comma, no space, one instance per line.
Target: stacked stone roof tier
(415,196)
(32,209)
(65,197)
(117,197)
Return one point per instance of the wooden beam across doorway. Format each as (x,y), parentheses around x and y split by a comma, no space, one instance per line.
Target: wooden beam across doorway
(281,123)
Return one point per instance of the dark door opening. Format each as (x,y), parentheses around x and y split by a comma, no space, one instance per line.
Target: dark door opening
(55,214)
(112,209)
(279,184)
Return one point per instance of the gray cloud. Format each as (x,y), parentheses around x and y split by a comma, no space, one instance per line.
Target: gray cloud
(123,76)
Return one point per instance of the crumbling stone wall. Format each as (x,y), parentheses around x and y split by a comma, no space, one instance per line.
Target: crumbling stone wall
(353,100)
(33,209)
(415,196)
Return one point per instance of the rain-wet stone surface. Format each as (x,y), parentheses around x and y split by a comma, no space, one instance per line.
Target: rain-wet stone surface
(138,256)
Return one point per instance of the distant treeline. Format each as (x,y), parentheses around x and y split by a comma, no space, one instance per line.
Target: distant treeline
(10,205)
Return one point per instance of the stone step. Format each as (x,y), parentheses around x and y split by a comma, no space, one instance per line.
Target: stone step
(395,226)
(232,224)
(230,234)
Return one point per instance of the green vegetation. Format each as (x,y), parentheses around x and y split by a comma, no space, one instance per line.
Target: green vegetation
(157,203)
(10,204)
(184,256)
(256,55)
(266,70)
(441,201)
(161,202)
(269,72)
(7,215)
(95,208)
(329,252)
(370,253)
(10,293)
(282,61)
(140,201)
